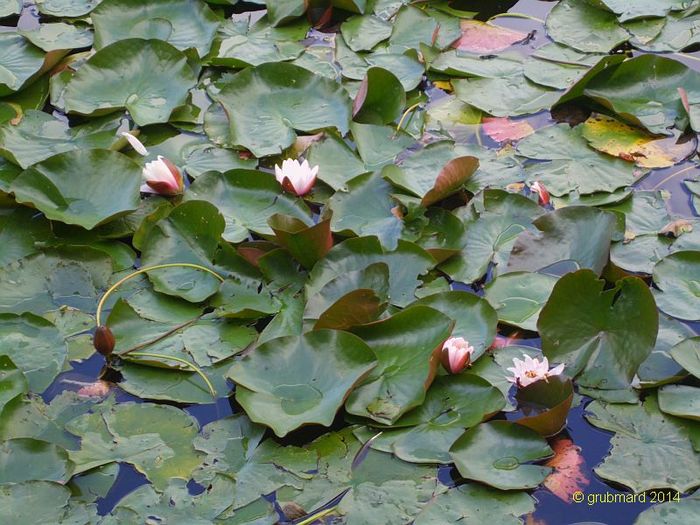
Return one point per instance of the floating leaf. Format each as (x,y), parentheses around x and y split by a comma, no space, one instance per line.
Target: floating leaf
(405,345)
(132,70)
(362,33)
(687,354)
(583,26)
(615,138)
(312,382)
(20,60)
(649,449)
(273,100)
(504,129)
(545,405)
(497,453)
(518,297)
(677,278)
(380,98)
(48,462)
(181,24)
(64,189)
(603,335)
(680,400)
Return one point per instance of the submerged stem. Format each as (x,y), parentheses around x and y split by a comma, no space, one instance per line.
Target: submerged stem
(405,114)
(516,15)
(100,305)
(194,367)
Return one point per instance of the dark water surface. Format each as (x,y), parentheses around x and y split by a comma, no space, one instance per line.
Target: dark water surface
(594,443)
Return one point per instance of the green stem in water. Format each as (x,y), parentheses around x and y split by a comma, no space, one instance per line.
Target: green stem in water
(194,367)
(516,15)
(145,269)
(405,114)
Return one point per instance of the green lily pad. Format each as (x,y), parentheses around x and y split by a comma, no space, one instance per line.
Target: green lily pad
(20,60)
(490,235)
(36,502)
(246,199)
(583,26)
(10,7)
(48,462)
(680,400)
(405,345)
(650,450)
(677,278)
(672,512)
(364,207)
(240,43)
(191,233)
(35,346)
(65,189)
(660,367)
(313,382)
(39,136)
(603,335)
(573,165)
(12,381)
(405,263)
(181,24)
(498,454)
(69,8)
(453,403)
(519,297)
(380,98)
(362,33)
(475,320)
(133,70)
(156,439)
(71,277)
(433,173)
(687,354)
(273,100)
(649,102)
(580,234)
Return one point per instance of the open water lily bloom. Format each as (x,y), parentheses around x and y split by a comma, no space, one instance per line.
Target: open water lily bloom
(296,177)
(456,354)
(528,371)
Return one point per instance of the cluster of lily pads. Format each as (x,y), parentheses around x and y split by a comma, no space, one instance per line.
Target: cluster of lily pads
(303,208)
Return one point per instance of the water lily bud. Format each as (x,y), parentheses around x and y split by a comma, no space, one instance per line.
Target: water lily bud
(135,143)
(295,177)
(456,354)
(541,192)
(532,370)
(163,177)
(103,340)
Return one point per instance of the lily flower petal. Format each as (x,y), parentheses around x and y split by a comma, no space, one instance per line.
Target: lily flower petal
(135,143)
(296,177)
(456,354)
(162,176)
(528,371)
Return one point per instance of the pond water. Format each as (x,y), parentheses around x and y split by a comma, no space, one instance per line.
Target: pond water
(594,443)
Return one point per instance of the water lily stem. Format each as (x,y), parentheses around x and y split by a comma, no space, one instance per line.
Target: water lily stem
(516,15)
(160,337)
(194,367)
(405,114)
(316,516)
(100,305)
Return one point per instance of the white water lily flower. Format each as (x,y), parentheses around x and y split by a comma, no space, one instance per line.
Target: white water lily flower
(135,143)
(295,177)
(456,354)
(532,370)
(163,177)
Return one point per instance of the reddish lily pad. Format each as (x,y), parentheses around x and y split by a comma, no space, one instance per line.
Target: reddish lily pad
(545,405)
(484,38)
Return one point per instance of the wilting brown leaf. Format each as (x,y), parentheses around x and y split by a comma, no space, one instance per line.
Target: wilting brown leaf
(451,177)
(621,140)
(502,129)
(569,470)
(480,37)
(677,228)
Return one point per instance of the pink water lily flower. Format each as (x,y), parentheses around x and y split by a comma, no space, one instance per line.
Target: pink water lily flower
(296,177)
(456,354)
(532,370)
(541,192)
(162,176)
